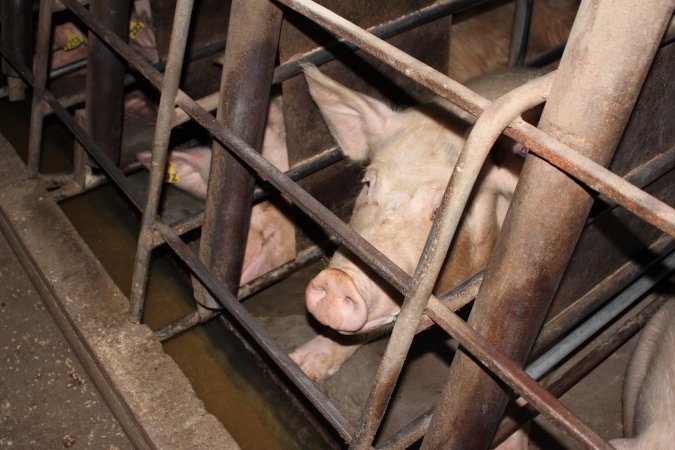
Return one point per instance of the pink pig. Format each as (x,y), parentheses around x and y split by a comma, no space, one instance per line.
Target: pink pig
(410,155)
(649,390)
(271,236)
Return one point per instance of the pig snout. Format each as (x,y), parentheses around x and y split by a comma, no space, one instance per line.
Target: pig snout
(333,299)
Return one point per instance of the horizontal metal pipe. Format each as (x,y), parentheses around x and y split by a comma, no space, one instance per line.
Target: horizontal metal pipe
(601,318)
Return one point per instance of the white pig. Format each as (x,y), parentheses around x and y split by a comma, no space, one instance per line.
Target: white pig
(271,236)
(411,155)
(649,388)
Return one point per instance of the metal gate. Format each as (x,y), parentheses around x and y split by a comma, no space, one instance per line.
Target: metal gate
(575,142)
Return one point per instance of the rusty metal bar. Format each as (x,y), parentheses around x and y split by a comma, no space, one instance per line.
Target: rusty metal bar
(160,148)
(549,209)
(315,210)
(17,36)
(520,32)
(301,170)
(599,178)
(39,82)
(104,102)
(415,430)
(189,320)
(244,93)
(562,156)
(598,294)
(257,332)
(565,381)
(484,134)
(601,318)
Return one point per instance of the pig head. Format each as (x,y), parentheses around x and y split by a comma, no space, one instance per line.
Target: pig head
(408,157)
(271,235)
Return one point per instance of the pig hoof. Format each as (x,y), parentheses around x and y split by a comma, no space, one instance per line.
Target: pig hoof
(322,357)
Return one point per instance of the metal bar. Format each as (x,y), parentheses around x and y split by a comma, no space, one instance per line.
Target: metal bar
(562,156)
(484,134)
(562,383)
(301,170)
(160,148)
(599,178)
(257,332)
(565,381)
(39,83)
(547,361)
(520,32)
(547,56)
(244,93)
(17,36)
(549,209)
(314,209)
(598,294)
(322,55)
(194,318)
(104,102)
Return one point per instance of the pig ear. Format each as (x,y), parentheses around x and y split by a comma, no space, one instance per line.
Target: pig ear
(354,119)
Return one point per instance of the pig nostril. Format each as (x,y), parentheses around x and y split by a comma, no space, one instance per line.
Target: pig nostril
(316,294)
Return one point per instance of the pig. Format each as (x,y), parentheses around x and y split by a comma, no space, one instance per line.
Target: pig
(649,387)
(411,155)
(480,38)
(271,236)
(69,44)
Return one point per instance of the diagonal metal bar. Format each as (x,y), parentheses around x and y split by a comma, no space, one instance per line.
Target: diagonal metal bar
(257,332)
(563,157)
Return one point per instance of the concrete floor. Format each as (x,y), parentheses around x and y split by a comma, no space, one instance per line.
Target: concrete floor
(47,398)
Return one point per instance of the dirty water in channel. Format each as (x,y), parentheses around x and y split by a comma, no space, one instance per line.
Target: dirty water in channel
(224,375)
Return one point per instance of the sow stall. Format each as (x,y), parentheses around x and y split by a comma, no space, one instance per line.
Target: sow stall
(552,265)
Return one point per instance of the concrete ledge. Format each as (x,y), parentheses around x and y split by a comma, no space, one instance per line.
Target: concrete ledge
(145,389)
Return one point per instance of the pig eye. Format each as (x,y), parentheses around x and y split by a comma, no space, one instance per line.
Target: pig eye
(368,181)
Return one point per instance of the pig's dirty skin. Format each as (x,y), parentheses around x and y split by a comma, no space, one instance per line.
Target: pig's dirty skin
(649,390)
(411,156)
(271,235)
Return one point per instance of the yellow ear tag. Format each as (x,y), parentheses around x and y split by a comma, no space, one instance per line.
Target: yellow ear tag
(135,28)
(171,176)
(73,40)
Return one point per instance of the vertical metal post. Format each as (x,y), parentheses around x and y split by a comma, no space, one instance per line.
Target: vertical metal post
(520,32)
(38,106)
(80,156)
(549,208)
(160,146)
(105,78)
(252,40)
(17,36)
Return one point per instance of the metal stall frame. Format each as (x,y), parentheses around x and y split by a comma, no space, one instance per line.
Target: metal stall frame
(415,288)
